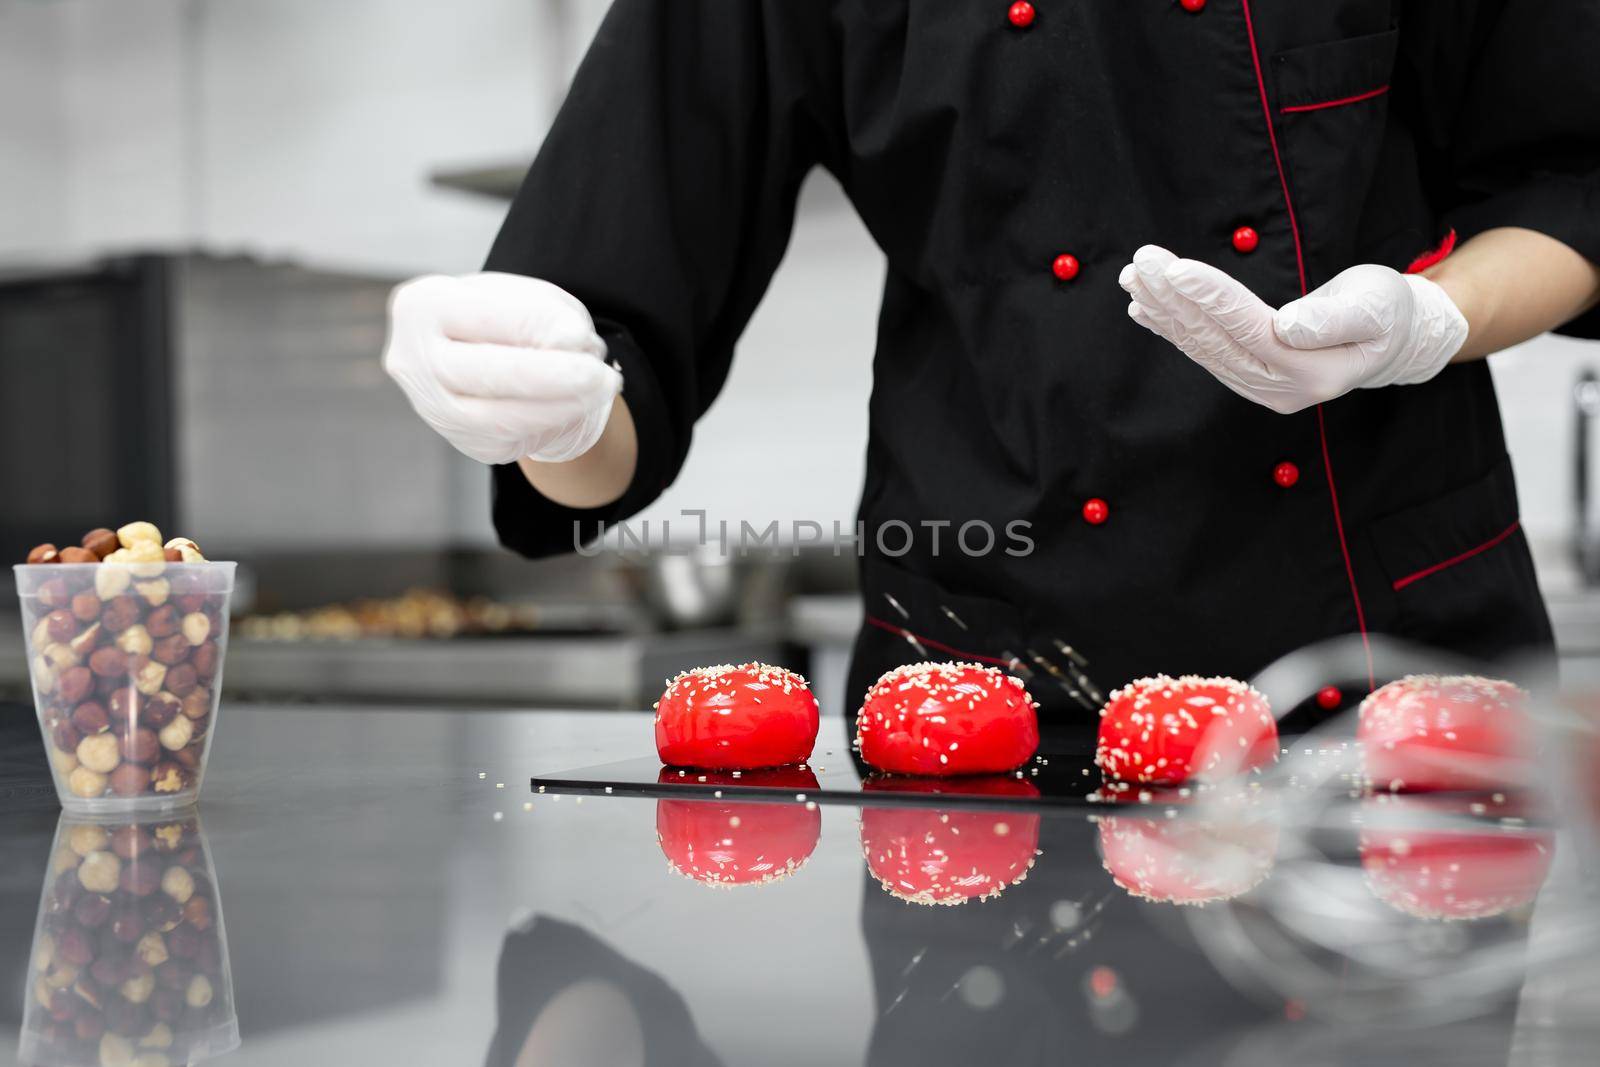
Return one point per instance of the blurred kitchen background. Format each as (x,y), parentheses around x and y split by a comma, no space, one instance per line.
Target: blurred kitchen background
(207,202)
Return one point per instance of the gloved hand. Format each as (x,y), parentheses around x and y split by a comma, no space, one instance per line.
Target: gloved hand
(501,366)
(1368,327)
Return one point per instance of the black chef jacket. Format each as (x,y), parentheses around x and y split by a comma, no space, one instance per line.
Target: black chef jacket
(980,141)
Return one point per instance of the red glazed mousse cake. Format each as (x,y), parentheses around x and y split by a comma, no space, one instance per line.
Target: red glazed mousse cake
(947,719)
(736,718)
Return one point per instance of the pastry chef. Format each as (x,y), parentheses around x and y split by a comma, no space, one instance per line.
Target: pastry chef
(1199,290)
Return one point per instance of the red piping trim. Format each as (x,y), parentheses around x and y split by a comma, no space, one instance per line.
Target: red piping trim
(930,643)
(1272,136)
(1341,102)
(1453,560)
(1437,255)
(1299,257)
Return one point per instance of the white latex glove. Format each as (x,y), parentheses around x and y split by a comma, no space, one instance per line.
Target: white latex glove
(1368,327)
(501,366)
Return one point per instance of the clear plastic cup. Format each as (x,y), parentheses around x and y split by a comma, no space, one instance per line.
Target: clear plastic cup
(126,664)
(129,961)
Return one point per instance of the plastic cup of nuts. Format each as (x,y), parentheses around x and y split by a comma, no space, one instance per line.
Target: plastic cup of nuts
(130,962)
(126,636)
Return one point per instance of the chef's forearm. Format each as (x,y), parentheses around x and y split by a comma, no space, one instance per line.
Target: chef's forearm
(1514,284)
(598,477)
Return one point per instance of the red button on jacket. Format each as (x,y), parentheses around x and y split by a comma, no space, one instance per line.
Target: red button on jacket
(1021,14)
(1245,239)
(1065,267)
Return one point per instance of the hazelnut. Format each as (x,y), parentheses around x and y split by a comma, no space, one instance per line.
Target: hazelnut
(140,745)
(198,994)
(130,779)
(111,968)
(101,541)
(98,873)
(61,656)
(171,650)
(83,782)
(72,945)
(135,641)
(161,913)
(163,621)
(196,627)
(166,1004)
(148,678)
(128,841)
(178,884)
(168,778)
(74,683)
(152,949)
(120,612)
(115,1051)
(61,625)
(86,838)
(173,555)
(196,702)
(206,659)
(127,926)
(161,708)
(45,553)
(100,753)
(155,591)
(188,758)
(140,877)
(127,703)
(62,861)
(85,606)
(90,717)
(74,554)
(54,594)
(188,602)
(174,735)
(122,1018)
(159,1036)
(111,581)
(65,973)
(138,533)
(109,661)
(92,910)
(182,680)
(84,644)
(197,913)
(137,990)
(145,561)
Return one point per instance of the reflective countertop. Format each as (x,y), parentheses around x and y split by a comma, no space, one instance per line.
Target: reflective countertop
(394,893)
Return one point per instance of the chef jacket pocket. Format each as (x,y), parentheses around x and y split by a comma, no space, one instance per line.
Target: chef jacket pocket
(1459,570)
(1330,108)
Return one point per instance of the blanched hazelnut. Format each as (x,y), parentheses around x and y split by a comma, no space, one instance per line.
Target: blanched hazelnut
(152,949)
(65,762)
(86,838)
(39,636)
(115,1051)
(129,779)
(168,836)
(74,554)
(198,994)
(168,778)
(154,591)
(159,1036)
(64,974)
(137,533)
(196,627)
(175,734)
(149,677)
(137,990)
(101,541)
(84,644)
(99,872)
(62,626)
(100,753)
(74,683)
(64,860)
(83,782)
(136,641)
(151,1058)
(45,553)
(111,581)
(171,650)
(178,884)
(45,677)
